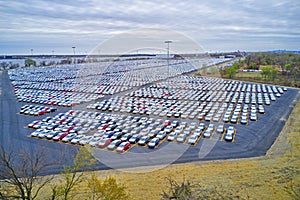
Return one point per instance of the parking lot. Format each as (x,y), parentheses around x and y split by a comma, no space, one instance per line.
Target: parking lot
(145,116)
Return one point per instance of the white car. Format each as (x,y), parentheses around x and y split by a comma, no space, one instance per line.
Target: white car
(69,137)
(36,133)
(95,141)
(197,132)
(193,139)
(85,140)
(220,128)
(172,136)
(76,139)
(181,138)
(210,127)
(229,133)
(43,134)
(207,133)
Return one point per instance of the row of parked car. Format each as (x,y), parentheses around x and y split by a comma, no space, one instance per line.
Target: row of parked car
(210,89)
(56,98)
(36,110)
(203,111)
(110,131)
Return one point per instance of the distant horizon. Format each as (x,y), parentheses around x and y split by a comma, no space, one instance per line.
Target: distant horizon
(103,55)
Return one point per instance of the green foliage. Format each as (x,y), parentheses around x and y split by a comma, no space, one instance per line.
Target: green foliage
(106,190)
(287,66)
(253,65)
(83,159)
(235,65)
(231,72)
(269,73)
(29,63)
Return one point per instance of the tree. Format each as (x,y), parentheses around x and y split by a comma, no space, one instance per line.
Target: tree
(182,191)
(4,65)
(287,68)
(231,71)
(108,189)
(73,175)
(192,191)
(20,173)
(29,63)
(253,65)
(269,73)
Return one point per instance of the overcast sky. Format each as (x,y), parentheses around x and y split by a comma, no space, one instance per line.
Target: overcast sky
(214,25)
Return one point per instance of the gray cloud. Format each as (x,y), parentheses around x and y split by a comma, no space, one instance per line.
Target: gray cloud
(216,24)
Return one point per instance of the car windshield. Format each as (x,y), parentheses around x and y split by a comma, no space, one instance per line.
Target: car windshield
(122,145)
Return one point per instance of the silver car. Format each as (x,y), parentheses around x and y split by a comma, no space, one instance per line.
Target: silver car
(193,139)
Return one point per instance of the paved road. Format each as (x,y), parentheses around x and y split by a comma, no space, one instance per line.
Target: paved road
(251,140)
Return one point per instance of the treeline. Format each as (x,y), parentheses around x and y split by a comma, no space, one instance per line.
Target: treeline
(279,68)
(286,61)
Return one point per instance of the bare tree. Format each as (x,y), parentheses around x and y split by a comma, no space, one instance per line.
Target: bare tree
(20,173)
(73,175)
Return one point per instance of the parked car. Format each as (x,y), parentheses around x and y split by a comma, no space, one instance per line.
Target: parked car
(36,133)
(124,146)
(161,135)
(114,144)
(76,139)
(193,139)
(116,135)
(229,133)
(207,133)
(104,142)
(172,136)
(126,137)
(95,141)
(52,134)
(144,140)
(153,143)
(60,136)
(43,134)
(69,137)
(85,140)
(181,138)
(134,139)
(220,128)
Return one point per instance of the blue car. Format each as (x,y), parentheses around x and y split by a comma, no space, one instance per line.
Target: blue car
(153,143)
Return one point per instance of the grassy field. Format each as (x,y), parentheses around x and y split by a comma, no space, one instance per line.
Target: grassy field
(274,176)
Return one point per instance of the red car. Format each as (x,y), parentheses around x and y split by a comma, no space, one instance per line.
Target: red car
(167,123)
(103,127)
(32,124)
(104,142)
(123,146)
(60,136)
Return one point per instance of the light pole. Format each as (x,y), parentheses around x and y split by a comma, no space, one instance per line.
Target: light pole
(168,49)
(74,54)
(31,52)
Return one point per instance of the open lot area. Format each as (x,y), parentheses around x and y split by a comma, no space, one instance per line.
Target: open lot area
(139,113)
